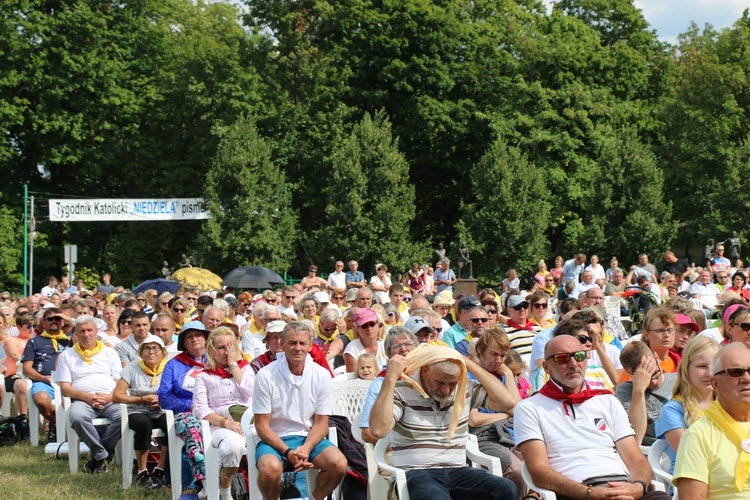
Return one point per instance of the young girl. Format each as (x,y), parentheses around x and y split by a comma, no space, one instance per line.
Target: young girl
(517,366)
(511,281)
(366,369)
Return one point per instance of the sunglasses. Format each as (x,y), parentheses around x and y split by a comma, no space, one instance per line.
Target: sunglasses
(245,304)
(289,297)
(180,310)
(371,324)
(491,311)
(583,339)
(540,305)
(480,320)
(329,329)
(520,307)
(164,303)
(564,357)
(125,322)
(391,314)
(745,326)
(337,298)
(733,372)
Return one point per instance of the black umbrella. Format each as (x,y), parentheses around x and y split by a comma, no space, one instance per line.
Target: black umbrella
(252,277)
(160,285)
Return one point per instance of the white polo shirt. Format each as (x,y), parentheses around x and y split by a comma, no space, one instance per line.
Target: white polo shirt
(99,376)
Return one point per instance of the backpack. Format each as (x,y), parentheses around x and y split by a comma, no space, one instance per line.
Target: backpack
(13,430)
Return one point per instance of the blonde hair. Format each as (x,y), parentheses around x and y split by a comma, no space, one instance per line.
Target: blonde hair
(683,387)
(366,357)
(219,332)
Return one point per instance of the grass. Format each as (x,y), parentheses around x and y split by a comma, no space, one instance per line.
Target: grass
(26,472)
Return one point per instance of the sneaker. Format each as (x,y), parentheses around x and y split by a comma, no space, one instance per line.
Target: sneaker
(52,433)
(89,466)
(157,478)
(143,481)
(101,466)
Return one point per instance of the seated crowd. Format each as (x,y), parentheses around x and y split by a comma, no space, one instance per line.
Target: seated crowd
(545,375)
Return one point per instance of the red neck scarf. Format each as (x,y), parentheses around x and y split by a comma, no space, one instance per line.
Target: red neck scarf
(187,359)
(552,391)
(528,326)
(222,372)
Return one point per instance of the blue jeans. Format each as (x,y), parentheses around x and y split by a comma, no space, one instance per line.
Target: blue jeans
(458,483)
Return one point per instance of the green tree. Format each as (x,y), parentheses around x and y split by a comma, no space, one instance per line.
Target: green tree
(11,250)
(370,202)
(252,218)
(505,218)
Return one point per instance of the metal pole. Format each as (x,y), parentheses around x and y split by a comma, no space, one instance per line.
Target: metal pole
(26,287)
(32,237)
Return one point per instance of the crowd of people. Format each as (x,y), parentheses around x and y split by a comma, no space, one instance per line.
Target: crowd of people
(540,371)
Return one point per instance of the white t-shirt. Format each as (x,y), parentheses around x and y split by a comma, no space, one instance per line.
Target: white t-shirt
(581,288)
(381,297)
(289,311)
(337,280)
(356,349)
(599,423)
(598,272)
(252,344)
(292,400)
(99,376)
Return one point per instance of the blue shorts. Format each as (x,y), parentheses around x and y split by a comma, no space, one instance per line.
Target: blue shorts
(292,442)
(42,387)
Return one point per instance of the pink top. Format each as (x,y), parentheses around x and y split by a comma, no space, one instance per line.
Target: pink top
(213,394)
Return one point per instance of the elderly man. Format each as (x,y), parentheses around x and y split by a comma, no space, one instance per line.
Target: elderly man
(577,441)
(617,285)
(212,318)
(291,404)
(274,343)
(444,277)
(337,279)
(712,460)
(252,343)
(479,321)
(39,358)
(87,374)
(587,283)
(460,329)
(328,333)
(705,290)
(364,298)
(353,277)
(127,350)
(430,417)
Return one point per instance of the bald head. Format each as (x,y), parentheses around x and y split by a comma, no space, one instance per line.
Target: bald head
(561,343)
(419,301)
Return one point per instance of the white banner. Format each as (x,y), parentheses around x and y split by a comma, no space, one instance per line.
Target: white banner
(128,209)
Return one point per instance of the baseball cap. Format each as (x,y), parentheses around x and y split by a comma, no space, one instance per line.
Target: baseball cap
(364,315)
(683,319)
(322,297)
(415,324)
(468,302)
(516,300)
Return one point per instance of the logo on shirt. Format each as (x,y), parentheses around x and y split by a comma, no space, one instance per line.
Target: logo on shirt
(600,424)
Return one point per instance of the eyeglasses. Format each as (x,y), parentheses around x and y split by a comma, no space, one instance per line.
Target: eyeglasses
(480,320)
(337,298)
(191,299)
(491,311)
(438,330)
(270,301)
(540,305)
(31,327)
(245,304)
(125,321)
(563,358)
(405,345)
(662,331)
(164,303)
(371,324)
(406,299)
(520,307)
(583,339)
(180,310)
(54,318)
(745,326)
(733,372)
(329,329)
(289,297)
(391,314)
(152,348)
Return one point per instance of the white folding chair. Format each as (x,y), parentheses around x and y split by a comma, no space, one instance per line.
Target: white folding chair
(74,442)
(348,397)
(657,458)
(478,460)
(35,416)
(211,454)
(175,456)
(127,444)
(7,402)
(377,485)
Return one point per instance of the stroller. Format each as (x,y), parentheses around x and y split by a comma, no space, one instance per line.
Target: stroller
(639,300)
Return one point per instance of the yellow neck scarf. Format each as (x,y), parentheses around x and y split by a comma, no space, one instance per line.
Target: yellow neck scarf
(728,425)
(87,354)
(154,373)
(328,339)
(427,354)
(55,338)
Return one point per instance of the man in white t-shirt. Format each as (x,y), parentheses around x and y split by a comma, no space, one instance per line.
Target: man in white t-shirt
(87,374)
(337,279)
(586,284)
(286,301)
(577,441)
(705,290)
(291,404)
(51,287)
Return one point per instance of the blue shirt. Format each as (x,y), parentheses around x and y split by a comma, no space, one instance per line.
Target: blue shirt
(173,394)
(571,271)
(40,350)
(672,417)
(454,335)
(440,275)
(356,277)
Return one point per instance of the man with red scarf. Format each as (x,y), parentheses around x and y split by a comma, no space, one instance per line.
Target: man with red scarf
(578,441)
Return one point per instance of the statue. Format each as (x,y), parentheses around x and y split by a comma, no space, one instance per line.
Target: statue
(186,261)
(463,259)
(166,272)
(708,251)
(439,253)
(733,248)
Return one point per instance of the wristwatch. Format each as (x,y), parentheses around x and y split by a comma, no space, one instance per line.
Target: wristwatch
(234,365)
(642,483)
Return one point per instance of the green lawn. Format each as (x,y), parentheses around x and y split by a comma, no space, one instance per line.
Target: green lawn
(26,472)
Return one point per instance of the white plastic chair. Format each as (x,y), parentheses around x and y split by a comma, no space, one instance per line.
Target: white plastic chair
(348,397)
(478,460)
(35,416)
(655,458)
(127,444)
(344,376)
(211,454)
(377,485)
(7,400)
(175,456)
(74,442)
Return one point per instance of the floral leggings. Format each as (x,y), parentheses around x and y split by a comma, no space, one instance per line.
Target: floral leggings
(188,429)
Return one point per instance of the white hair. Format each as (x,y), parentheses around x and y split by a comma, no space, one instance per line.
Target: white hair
(718,362)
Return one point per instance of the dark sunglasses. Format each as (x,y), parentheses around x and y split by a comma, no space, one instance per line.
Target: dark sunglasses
(290,297)
(584,338)
(371,324)
(125,322)
(745,326)
(480,320)
(540,305)
(329,329)
(141,299)
(491,311)
(564,357)
(733,372)
(520,307)
(180,310)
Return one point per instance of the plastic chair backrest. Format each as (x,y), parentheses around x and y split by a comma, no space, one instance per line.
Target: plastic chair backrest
(348,397)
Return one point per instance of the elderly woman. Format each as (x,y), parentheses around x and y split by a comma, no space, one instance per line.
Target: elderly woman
(137,388)
(223,392)
(308,307)
(414,278)
(380,283)
(176,393)
(369,339)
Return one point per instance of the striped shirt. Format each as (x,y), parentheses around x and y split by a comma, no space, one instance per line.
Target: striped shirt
(521,340)
(419,438)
